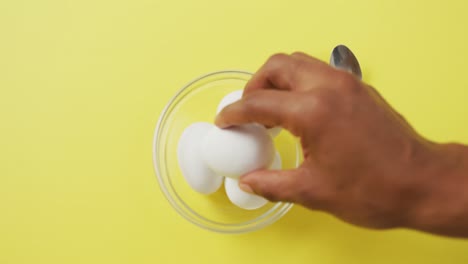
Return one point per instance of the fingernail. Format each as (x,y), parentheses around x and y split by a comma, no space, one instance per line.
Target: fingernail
(246,188)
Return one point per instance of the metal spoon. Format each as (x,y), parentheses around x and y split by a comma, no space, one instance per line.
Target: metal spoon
(343,58)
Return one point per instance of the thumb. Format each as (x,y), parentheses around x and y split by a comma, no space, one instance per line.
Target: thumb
(274,185)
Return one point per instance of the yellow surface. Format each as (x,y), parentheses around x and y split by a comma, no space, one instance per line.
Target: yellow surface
(82,84)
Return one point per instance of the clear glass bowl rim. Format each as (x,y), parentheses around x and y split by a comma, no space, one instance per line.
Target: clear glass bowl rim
(269,217)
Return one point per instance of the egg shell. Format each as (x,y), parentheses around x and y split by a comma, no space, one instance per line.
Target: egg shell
(240,198)
(277,162)
(197,174)
(246,200)
(235,96)
(237,150)
(229,99)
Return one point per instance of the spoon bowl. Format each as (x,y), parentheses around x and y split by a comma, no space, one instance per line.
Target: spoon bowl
(343,58)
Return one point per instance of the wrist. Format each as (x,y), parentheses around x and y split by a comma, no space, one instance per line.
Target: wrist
(441,191)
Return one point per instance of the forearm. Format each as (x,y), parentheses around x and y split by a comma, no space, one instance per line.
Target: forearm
(443,207)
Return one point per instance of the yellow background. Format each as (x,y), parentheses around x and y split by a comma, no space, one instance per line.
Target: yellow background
(82,84)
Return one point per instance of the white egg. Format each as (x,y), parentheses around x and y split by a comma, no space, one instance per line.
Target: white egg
(229,99)
(240,198)
(237,150)
(277,163)
(236,96)
(246,200)
(197,174)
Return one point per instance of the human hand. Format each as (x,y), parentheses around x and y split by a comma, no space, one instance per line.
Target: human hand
(362,161)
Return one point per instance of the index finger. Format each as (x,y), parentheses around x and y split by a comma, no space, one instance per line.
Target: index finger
(267,107)
(286,72)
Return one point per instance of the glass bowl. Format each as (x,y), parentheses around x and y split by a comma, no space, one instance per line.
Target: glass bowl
(197,102)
